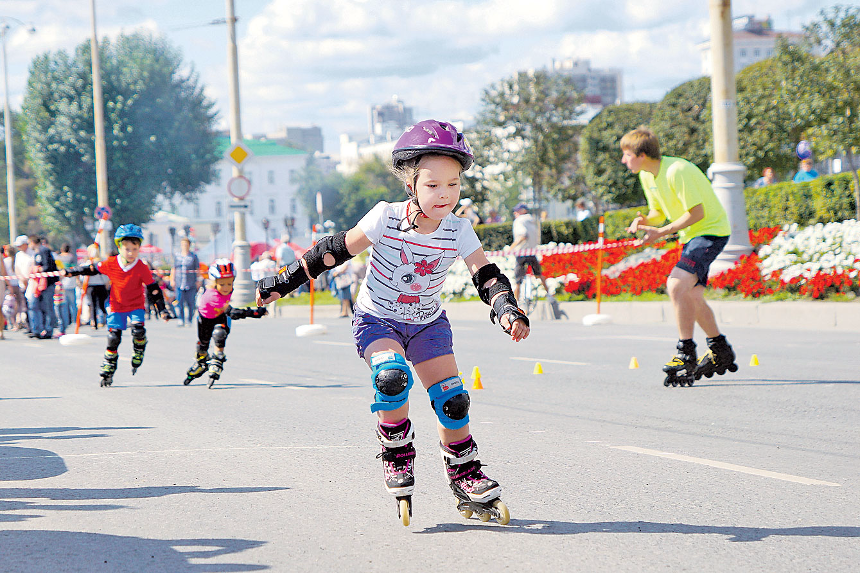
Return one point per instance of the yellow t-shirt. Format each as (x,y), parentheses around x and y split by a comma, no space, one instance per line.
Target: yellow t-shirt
(679,186)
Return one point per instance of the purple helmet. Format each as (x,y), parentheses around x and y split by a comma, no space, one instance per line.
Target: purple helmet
(431,136)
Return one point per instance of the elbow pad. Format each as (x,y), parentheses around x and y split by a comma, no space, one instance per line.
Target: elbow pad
(289,278)
(486,273)
(334,245)
(156,297)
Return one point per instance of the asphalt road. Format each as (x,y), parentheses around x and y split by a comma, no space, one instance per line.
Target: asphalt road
(602,467)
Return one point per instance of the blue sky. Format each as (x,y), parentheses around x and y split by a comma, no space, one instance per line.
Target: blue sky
(323,62)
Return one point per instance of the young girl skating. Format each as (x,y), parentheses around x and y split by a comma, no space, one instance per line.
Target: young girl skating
(213,321)
(399,315)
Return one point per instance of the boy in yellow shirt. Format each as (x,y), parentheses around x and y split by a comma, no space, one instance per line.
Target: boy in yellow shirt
(677,190)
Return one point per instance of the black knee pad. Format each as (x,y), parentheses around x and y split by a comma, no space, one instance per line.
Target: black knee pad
(219,336)
(113,339)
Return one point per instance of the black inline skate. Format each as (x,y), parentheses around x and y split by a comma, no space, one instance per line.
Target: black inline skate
(138,345)
(397,456)
(109,367)
(475,492)
(216,366)
(198,369)
(681,369)
(719,358)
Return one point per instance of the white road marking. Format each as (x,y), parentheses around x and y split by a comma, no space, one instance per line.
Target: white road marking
(728,466)
(549,360)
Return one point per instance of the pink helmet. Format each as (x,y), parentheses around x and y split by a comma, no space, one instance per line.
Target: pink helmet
(432,136)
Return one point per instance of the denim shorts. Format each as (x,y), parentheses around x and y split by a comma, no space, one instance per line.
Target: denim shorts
(419,341)
(520,269)
(119,319)
(699,253)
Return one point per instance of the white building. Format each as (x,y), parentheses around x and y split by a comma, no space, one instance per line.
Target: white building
(273,171)
(754,41)
(599,86)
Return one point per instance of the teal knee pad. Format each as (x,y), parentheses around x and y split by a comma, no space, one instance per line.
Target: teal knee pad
(392,380)
(450,401)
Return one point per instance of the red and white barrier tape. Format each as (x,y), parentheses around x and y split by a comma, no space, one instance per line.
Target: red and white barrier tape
(565,249)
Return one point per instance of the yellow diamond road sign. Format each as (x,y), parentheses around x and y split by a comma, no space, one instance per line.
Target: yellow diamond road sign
(237,154)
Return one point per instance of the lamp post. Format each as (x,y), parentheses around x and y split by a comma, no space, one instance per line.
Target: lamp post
(266,224)
(99,128)
(216,227)
(727,173)
(6,23)
(244,287)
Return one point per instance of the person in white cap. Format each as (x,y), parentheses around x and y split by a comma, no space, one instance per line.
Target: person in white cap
(23,265)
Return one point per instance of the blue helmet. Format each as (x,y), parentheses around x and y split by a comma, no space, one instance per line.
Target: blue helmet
(127,231)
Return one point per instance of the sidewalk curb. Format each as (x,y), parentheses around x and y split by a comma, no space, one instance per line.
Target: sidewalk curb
(843,316)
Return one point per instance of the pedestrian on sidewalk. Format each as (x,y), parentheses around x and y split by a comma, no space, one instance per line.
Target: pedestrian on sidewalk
(185,279)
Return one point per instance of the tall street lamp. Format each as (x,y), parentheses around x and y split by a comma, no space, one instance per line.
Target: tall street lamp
(6,24)
(99,118)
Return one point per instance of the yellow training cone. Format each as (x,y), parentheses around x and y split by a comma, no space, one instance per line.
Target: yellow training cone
(476,373)
(538,369)
(477,383)
(754,360)
(633,363)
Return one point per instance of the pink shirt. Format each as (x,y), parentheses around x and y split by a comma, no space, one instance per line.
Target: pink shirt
(212,303)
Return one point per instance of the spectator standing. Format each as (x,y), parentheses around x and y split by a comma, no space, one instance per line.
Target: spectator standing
(2,297)
(97,290)
(284,254)
(344,279)
(265,267)
(767,178)
(582,211)
(806,172)
(13,289)
(467,210)
(493,217)
(184,277)
(526,236)
(22,266)
(68,285)
(41,303)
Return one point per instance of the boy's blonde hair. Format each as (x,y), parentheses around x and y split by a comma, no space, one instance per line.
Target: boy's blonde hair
(641,141)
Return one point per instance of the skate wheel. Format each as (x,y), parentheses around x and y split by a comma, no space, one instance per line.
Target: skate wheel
(484,517)
(666,382)
(186,382)
(405,512)
(733,367)
(674,384)
(464,512)
(504,515)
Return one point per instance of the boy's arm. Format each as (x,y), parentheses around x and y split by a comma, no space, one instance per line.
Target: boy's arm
(156,298)
(90,270)
(243,312)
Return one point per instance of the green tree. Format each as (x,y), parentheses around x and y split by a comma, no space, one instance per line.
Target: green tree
(26,220)
(608,179)
(834,86)
(768,127)
(682,122)
(158,131)
(527,132)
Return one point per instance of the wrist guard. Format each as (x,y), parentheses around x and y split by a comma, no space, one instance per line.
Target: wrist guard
(289,278)
(506,304)
(334,245)
(89,270)
(156,297)
(243,312)
(486,273)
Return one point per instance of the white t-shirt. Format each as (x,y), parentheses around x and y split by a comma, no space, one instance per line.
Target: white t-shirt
(406,270)
(525,226)
(23,266)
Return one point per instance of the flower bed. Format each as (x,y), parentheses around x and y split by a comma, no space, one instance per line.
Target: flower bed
(816,262)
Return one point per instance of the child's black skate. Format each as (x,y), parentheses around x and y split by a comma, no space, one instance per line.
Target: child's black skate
(198,369)
(475,492)
(216,366)
(719,358)
(138,345)
(109,368)
(681,369)
(397,456)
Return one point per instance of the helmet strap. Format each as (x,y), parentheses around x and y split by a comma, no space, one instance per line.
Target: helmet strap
(411,217)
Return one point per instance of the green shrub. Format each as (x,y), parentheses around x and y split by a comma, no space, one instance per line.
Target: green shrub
(497,236)
(824,199)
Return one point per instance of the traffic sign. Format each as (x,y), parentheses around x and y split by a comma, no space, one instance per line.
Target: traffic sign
(103,213)
(239,206)
(239,187)
(238,154)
